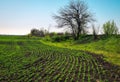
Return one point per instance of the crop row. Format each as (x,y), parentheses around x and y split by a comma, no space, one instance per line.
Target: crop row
(30,61)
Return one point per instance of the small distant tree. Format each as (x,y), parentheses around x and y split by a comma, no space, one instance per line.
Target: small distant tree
(37,32)
(95,32)
(110,28)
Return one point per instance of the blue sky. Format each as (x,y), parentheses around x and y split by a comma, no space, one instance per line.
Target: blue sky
(20,16)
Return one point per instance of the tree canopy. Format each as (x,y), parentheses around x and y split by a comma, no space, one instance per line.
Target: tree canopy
(75,16)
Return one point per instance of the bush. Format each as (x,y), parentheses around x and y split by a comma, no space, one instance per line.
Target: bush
(47,38)
(110,28)
(58,38)
(37,32)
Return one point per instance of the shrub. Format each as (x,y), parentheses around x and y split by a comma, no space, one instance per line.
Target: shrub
(58,38)
(47,38)
(110,28)
(37,32)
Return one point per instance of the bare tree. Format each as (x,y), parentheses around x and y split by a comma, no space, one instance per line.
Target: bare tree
(95,32)
(74,16)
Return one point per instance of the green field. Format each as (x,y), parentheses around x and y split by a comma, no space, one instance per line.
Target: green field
(24,59)
(109,47)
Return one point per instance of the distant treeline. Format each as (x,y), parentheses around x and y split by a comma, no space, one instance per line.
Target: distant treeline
(109,29)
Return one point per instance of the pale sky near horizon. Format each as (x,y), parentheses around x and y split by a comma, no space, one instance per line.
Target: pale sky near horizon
(20,16)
